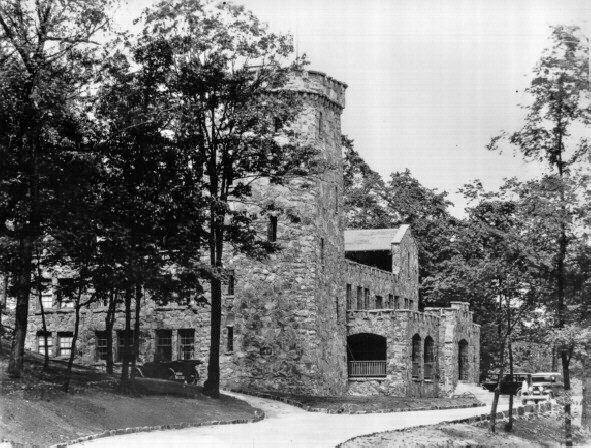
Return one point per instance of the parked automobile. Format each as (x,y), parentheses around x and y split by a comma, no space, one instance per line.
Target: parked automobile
(543,386)
(509,386)
(181,370)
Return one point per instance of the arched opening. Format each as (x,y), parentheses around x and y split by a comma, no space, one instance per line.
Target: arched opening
(366,355)
(428,359)
(463,362)
(416,356)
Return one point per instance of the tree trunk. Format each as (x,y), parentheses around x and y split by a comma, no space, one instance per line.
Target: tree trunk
(23,291)
(211,386)
(509,425)
(3,306)
(568,431)
(66,385)
(586,404)
(495,403)
(136,333)
(126,346)
(44,326)
(109,323)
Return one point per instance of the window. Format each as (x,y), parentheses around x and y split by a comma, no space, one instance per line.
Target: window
(46,295)
(379,302)
(41,343)
(230,339)
(272,229)
(349,296)
(416,356)
(101,345)
(65,292)
(124,345)
(397,302)
(390,301)
(367,307)
(405,304)
(359,298)
(319,128)
(230,290)
(266,351)
(163,345)
(186,344)
(410,304)
(322,251)
(64,343)
(428,359)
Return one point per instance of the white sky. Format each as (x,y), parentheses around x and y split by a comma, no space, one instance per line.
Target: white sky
(430,81)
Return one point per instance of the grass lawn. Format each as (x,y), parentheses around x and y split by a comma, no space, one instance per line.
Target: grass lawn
(354,404)
(540,432)
(35,411)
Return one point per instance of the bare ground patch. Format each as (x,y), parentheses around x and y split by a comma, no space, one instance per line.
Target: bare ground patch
(539,432)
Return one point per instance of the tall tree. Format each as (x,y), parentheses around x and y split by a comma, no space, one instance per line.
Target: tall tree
(47,58)
(233,121)
(560,95)
(149,206)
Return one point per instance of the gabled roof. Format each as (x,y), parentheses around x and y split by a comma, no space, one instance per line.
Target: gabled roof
(374,239)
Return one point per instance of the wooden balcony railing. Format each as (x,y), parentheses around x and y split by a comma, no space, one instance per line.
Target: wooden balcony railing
(359,369)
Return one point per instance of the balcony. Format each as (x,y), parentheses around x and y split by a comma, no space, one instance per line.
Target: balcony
(364,369)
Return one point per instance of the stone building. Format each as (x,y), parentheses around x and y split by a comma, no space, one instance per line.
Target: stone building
(333,312)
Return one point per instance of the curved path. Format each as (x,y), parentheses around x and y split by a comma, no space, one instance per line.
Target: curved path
(285,426)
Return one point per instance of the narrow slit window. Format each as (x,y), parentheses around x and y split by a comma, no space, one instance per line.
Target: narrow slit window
(349,296)
(359,298)
(230,339)
(367,299)
(230,290)
(322,252)
(272,229)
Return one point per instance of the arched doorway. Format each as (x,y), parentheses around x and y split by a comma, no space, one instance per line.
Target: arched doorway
(366,355)
(463,360)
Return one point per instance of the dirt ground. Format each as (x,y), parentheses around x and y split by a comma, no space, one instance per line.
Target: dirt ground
(379,403)
(34,410)
(541,432)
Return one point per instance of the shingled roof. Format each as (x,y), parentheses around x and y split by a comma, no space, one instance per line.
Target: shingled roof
(374,239)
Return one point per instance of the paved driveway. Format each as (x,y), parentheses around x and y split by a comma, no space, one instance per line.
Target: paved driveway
(285,426)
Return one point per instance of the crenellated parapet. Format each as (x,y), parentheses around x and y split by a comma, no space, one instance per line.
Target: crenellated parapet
(319,85)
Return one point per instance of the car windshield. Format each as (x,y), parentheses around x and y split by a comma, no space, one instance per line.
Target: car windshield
(545,378)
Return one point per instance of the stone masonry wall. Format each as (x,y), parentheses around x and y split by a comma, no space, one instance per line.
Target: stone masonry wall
(380,283)
(289,310)
(457,325)
(398,327)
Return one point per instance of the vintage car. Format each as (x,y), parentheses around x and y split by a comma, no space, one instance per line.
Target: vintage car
(509,386)
(543,386)
(181,370)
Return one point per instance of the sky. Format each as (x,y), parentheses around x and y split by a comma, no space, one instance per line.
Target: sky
(429,81)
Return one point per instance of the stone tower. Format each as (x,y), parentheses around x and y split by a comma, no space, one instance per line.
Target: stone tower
(288,316)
